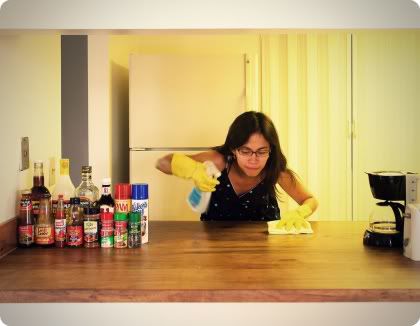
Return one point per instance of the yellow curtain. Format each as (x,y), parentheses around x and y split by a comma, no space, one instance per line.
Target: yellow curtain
(306,91)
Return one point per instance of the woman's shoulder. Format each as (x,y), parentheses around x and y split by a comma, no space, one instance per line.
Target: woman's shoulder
(212,155)
(218,159)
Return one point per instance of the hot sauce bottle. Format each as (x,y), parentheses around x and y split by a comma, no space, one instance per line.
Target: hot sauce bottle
(44,227)
(60,223)
(74,234)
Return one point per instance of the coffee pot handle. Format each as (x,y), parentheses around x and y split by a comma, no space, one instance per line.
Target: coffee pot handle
(398,210)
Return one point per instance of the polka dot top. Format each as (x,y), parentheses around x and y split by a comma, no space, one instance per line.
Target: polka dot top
(254,205)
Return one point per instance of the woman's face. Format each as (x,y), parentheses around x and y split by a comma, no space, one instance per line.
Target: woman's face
(253,155)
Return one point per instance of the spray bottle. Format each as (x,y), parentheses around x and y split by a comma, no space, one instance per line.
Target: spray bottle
(199,200)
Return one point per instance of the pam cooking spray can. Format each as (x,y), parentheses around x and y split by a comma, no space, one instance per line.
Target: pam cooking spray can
(140,203)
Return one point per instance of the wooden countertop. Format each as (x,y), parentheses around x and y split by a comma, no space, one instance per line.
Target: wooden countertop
(216,262)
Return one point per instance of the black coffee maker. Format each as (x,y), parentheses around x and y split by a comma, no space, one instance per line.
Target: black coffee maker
(386,221)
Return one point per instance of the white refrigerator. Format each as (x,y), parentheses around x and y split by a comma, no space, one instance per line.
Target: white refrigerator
(181,103)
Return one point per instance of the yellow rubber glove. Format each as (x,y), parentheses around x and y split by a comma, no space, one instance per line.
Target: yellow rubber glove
(295,218)
(185,167)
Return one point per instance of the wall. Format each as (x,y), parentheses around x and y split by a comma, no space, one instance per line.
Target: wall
(99,115)
(30,106)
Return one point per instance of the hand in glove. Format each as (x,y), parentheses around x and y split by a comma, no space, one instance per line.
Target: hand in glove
(187,168)
(295,218)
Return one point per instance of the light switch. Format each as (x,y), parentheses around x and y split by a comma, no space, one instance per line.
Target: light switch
(52,172)
(24,146)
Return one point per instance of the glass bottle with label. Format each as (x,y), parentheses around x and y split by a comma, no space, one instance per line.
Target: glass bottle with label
(60,223)
(25,221)
(87,191)
(74,234)
(106,202)
(91,227)
(64,186)
(38,190)
(44,227)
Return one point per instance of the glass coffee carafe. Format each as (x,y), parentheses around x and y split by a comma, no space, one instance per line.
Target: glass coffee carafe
(386,218)
(385,224)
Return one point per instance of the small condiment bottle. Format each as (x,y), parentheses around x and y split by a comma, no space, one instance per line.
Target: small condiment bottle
(25,221)
(75,224)
(134,231)
(91,227)
(120,230)
(107,229)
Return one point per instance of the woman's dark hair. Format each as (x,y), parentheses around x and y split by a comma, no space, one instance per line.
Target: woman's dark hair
(241,129)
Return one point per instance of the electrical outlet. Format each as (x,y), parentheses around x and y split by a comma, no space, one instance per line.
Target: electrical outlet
(24,148)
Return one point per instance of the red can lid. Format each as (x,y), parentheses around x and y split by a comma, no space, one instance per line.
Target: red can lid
(122,191)
(107,215)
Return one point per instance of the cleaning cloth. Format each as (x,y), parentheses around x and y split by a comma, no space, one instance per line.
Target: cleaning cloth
(274,227)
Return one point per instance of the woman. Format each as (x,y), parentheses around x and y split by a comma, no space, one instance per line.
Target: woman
(251,164)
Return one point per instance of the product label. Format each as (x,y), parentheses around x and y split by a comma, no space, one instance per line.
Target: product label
(44,234)
(134,227)
(84,202)
(120,239)
(60,229)
(74,235)
(107,241)
(90,231)
(106,229)
(54,205)
(142,206)
(123,205)
(26,234)
(35,207)
(25,205)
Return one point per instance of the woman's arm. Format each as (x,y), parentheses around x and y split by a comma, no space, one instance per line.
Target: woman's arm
(297,191)
(164,163)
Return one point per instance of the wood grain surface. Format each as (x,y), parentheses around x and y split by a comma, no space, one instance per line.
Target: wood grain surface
(216,262)
(8,239)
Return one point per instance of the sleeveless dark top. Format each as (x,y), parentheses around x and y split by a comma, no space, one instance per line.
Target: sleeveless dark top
(254,205)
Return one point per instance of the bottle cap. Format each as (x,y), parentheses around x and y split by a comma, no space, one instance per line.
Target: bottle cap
(140,191)
(120,216)
(26,192)
(134,217)
(86,169)
(74,201)
(106,181)
(91,210)
(122,191)
(107,215)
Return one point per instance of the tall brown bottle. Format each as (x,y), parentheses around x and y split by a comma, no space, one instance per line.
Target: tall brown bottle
(38,190)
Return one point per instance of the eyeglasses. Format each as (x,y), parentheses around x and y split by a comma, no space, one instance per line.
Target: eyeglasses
(247,152)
